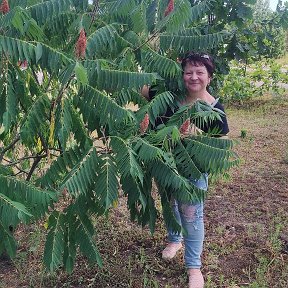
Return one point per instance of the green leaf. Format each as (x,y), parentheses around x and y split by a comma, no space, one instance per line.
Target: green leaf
(18,21)
(185,163)
(208,158)
(35,120)
(54,246)
(159,105)
(70,251)
(165,66)
(35,200)
(93,103)
(7,241)
(106,184)
(115,79)
(46,10)
(10,115)
(83,175)
(14,207)
(38,52)
(127,162)
(146,151)
(81,74)
(168,214)
(62,165)
(105,39)
(197,43)
(84,237)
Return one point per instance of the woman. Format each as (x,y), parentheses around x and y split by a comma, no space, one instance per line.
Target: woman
(198,69)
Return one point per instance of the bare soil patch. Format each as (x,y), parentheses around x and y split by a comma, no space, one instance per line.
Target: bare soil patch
(246,224)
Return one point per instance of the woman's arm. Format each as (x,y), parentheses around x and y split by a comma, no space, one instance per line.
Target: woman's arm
(145,92)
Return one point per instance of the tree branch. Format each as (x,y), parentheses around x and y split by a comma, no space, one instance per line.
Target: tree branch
(94,12)
(34,165)
(11,145)
(148,40)
(20,159)
(35,76)
(20,170)
(61,92)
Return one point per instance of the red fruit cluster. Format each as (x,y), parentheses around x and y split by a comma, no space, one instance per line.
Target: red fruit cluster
(169,8)
(144,124)
(4,7)
(184,129)
(80,47)
(23,64)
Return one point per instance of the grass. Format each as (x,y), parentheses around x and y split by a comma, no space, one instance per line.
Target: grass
(246,242)
(283,60)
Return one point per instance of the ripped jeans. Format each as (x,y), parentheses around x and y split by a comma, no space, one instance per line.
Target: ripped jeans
(190,216)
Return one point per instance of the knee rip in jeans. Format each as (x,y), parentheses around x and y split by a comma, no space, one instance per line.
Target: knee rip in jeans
(192,214)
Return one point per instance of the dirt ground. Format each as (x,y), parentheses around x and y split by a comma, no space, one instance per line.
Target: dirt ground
(246,242)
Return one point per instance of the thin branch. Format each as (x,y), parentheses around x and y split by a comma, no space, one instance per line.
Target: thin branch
(56,149)
(61,92)
(19,172)
(11,145)
(17,167)
(20,159)
(35,75)
(48,84)
(94,12)
(149,39)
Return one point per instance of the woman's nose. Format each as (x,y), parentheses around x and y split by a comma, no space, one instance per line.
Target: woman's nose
(193,76)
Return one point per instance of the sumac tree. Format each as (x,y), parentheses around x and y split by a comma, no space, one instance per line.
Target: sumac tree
(69,141)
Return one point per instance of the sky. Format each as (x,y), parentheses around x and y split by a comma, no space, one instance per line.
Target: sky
(273,4)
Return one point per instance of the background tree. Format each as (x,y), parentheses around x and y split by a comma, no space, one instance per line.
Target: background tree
(254,36)
(262,10)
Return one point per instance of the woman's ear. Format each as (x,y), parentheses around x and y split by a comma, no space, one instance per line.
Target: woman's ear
(210,79)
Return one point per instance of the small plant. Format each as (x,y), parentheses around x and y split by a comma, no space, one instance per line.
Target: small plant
(243,133)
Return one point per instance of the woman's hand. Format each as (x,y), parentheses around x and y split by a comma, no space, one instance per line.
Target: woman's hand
(188,129)
(194,130)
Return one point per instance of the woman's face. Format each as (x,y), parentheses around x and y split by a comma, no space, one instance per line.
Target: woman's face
(196,78)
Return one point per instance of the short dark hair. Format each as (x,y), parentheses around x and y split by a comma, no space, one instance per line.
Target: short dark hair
(199,59)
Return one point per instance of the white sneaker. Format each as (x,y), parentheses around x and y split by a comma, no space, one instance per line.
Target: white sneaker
(171,250)
(196,279)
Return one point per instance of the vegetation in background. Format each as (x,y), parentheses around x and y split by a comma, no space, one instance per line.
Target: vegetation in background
(245,82)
